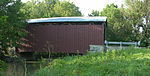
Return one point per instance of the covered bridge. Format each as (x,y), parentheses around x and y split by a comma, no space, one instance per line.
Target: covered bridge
(64,34)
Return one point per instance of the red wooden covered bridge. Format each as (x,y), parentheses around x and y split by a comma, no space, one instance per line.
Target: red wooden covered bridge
(64,34)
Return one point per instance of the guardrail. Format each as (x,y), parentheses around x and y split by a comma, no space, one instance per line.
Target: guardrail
(123,43)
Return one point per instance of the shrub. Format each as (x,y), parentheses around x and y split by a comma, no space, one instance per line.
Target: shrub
(133,62)
(2,66)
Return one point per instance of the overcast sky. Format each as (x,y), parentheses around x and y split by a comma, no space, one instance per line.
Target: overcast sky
(86,6)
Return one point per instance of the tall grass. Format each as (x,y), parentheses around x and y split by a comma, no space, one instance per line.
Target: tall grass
(3,66)
(133,62)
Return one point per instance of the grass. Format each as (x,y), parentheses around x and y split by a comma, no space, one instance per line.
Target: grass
(3,66)
(133,62)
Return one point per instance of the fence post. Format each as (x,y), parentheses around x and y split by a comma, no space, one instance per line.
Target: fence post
(135,44)
(106,42)
(120,45)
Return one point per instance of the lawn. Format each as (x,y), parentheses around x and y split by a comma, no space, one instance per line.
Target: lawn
(133,62)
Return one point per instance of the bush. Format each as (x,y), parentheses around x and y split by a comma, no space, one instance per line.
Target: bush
(2,66)
(133,62)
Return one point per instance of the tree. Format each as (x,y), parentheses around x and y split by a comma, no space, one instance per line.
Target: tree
(50,8)
(129,23)
(12,24)
(138,11)
(94,13)
(118,28)
(65,9)
(39,9)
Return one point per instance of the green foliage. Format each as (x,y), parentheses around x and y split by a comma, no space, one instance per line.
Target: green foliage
(3,66)
(11,24)
(130,22)
(64,9)
(118,28)
(133,62)
(49,8)
(36,9)
(138,11)
(94,13)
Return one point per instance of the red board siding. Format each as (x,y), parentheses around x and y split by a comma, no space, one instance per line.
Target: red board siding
(62,38)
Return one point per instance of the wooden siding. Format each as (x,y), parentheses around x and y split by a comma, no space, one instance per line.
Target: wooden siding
(62,38)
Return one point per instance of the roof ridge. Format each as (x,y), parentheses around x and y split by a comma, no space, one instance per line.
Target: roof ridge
(69,19)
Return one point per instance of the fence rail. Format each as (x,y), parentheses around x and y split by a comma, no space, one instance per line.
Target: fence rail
(123,43)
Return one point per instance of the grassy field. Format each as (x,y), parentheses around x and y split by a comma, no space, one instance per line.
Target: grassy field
(133,62)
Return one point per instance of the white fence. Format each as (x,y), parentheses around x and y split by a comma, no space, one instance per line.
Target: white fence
(108,45)
(122,43)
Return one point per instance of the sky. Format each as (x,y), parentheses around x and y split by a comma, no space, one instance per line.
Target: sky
(86,6)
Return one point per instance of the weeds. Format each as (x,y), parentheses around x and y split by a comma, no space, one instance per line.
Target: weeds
(133,62)
(3,66)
